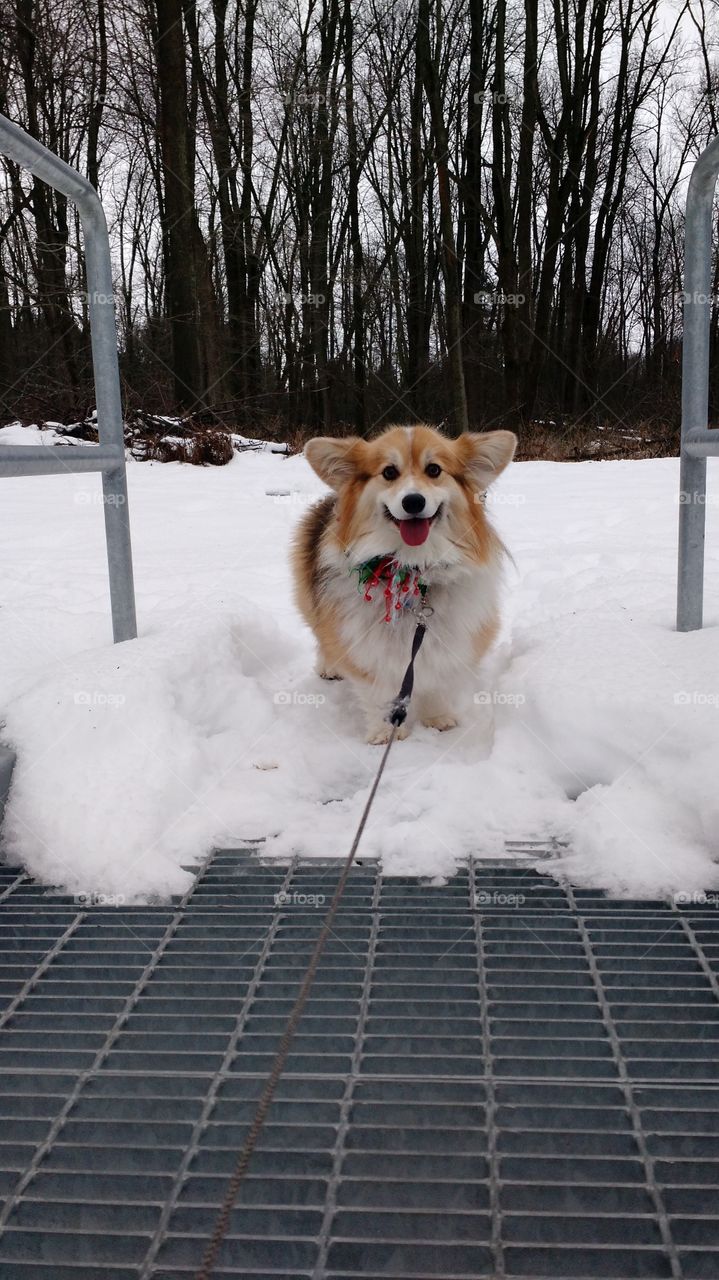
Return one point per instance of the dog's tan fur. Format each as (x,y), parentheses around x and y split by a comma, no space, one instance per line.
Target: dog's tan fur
(355,523)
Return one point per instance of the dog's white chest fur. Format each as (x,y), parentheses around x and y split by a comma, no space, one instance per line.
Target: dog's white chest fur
(460,602)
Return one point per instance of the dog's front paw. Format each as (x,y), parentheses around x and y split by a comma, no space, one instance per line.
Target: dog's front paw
(379,735)
(441,722)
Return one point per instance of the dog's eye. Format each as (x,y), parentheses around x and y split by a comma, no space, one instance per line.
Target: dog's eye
(390,473)
(432,470)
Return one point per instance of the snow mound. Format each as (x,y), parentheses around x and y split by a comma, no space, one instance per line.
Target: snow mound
(594,721)
(49,434)
(140,737)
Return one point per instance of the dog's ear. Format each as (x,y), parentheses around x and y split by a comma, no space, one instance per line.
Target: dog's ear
(486,455)
(335,461)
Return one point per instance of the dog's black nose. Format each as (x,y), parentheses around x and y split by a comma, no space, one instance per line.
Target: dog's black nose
(413,503)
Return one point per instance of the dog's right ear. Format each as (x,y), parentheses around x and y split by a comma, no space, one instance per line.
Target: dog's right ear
(335,461)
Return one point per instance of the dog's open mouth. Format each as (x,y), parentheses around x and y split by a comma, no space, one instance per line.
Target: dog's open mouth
(414,530)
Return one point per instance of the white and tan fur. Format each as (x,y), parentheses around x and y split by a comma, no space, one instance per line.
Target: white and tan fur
(460,561)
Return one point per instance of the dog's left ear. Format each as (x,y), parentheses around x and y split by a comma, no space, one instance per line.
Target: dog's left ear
(486,455)
(335,461)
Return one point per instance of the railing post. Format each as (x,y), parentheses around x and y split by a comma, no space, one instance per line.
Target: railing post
(26,460)
(696,440)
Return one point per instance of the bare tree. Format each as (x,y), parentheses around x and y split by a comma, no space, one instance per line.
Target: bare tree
(338,215)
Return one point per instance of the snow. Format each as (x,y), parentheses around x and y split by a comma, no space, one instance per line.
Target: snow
(47,434)
(594,721)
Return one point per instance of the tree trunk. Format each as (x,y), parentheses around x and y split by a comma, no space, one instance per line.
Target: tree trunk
(50,216)
(507,269)
(179,208)
(417,318)
(98,96)
(525,196)
(430,80)
(357,318)
(474,315)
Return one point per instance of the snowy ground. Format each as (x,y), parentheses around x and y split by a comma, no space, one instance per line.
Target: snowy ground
(594,721)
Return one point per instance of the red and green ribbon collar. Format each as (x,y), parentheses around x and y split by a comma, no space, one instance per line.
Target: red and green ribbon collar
(401,584)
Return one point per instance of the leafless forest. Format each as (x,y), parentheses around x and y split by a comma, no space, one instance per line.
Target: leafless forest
(339,213)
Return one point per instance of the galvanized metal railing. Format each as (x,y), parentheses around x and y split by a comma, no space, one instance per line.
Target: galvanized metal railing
(109,456)
(698,442)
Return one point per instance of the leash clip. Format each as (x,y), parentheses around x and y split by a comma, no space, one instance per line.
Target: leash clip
(398,712)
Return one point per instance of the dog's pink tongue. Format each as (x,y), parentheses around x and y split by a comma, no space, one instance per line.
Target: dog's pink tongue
(414,532)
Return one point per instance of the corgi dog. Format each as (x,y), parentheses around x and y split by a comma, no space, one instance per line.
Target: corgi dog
(404,530)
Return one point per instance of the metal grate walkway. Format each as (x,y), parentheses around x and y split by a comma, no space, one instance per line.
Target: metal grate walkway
(501,1077)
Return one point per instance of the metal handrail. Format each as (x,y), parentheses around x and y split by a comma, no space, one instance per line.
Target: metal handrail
(698,441)
(109,456)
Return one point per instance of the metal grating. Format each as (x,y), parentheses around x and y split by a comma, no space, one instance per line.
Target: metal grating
(500,1077)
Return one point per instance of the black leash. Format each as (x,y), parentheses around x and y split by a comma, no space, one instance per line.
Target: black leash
(397,716)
